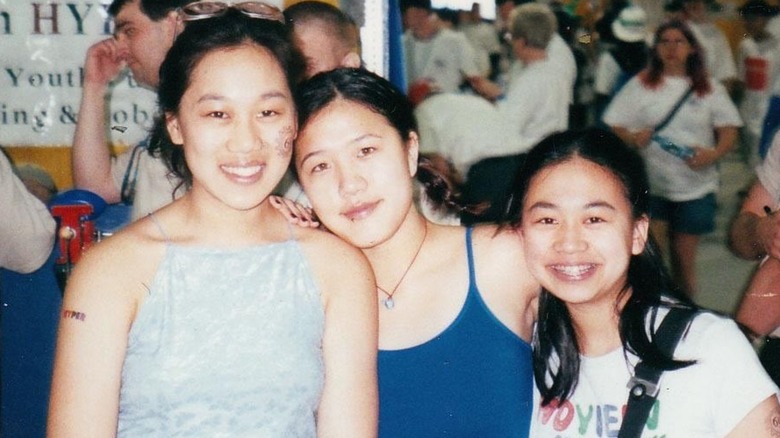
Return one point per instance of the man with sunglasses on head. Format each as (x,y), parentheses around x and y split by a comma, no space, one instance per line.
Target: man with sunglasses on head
(144,30)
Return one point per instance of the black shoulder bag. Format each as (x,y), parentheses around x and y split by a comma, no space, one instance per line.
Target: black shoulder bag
(644,385)
(673,111)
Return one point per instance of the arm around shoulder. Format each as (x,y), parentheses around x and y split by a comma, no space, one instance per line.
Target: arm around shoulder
(348,406)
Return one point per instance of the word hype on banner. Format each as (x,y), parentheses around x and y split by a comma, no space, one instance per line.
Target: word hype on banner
(42,51)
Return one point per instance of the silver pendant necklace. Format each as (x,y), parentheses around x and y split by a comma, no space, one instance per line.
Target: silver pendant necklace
(388,301)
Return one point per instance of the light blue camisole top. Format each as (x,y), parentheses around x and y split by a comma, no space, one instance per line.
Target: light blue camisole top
(227,344)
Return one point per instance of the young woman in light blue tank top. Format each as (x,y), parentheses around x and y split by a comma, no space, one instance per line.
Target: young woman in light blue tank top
(213,316)
(455,306)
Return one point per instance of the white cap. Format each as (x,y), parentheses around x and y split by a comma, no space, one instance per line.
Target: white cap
(631,25)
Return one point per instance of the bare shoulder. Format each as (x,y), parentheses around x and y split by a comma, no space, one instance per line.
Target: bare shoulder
(337,266)
(118,267)
(322,244)
(503,278)
(500,250)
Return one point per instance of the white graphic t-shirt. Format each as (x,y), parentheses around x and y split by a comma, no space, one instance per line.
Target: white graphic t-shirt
(704,400)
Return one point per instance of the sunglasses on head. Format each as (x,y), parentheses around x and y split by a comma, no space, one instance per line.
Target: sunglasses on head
(208,9)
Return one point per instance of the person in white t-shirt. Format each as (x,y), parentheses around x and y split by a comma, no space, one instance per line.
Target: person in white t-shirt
(581,204)
(435,53)
(483,37)
(144,31)
(718,55)
(536,105)
(681,155)
(537,100)
(463,128)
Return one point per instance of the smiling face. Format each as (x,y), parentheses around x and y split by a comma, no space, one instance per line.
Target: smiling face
(236,122)
(357,172)
(579,237)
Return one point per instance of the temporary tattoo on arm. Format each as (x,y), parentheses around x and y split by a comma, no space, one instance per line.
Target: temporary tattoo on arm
(72,314)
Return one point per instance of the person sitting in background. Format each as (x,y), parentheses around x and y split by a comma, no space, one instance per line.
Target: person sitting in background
(434,53)
(144,31)
(462,128)
(536,105)
(537,99)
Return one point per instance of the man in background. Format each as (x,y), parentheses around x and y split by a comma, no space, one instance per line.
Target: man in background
(144,30)
(439,55)
(327,37)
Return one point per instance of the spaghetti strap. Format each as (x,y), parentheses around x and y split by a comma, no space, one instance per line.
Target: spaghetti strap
(470,254)
(160,228)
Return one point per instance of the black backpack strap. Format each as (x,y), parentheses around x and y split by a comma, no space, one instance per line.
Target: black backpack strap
(644,385)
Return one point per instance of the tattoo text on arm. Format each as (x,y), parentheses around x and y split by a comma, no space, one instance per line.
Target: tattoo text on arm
(72,314)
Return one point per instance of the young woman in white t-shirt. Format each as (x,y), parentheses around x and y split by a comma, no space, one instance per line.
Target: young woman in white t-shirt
(683,186)
(605,292)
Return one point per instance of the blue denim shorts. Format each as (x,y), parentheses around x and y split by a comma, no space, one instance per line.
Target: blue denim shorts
(696,216)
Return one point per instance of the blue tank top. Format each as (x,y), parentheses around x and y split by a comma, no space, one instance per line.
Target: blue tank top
(474,379)
(228,343)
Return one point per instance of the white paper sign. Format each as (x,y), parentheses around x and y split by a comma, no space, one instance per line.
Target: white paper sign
(42,50)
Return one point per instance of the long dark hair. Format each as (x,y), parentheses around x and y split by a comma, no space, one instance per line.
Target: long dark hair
(695,68)
(199,38)
(648,284)
(382,97)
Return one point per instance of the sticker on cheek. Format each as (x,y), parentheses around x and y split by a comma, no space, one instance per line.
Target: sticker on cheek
(284,141)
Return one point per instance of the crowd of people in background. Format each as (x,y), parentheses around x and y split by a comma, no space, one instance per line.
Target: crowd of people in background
(495,236)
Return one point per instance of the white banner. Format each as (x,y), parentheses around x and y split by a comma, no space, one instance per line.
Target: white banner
(42,49)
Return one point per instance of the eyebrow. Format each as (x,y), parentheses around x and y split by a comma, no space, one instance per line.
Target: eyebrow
(264,96)
(119,25)
(551,206)
(354,140)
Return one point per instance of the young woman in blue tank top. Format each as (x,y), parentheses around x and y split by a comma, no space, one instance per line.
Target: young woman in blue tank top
(455,304)
(213,316)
